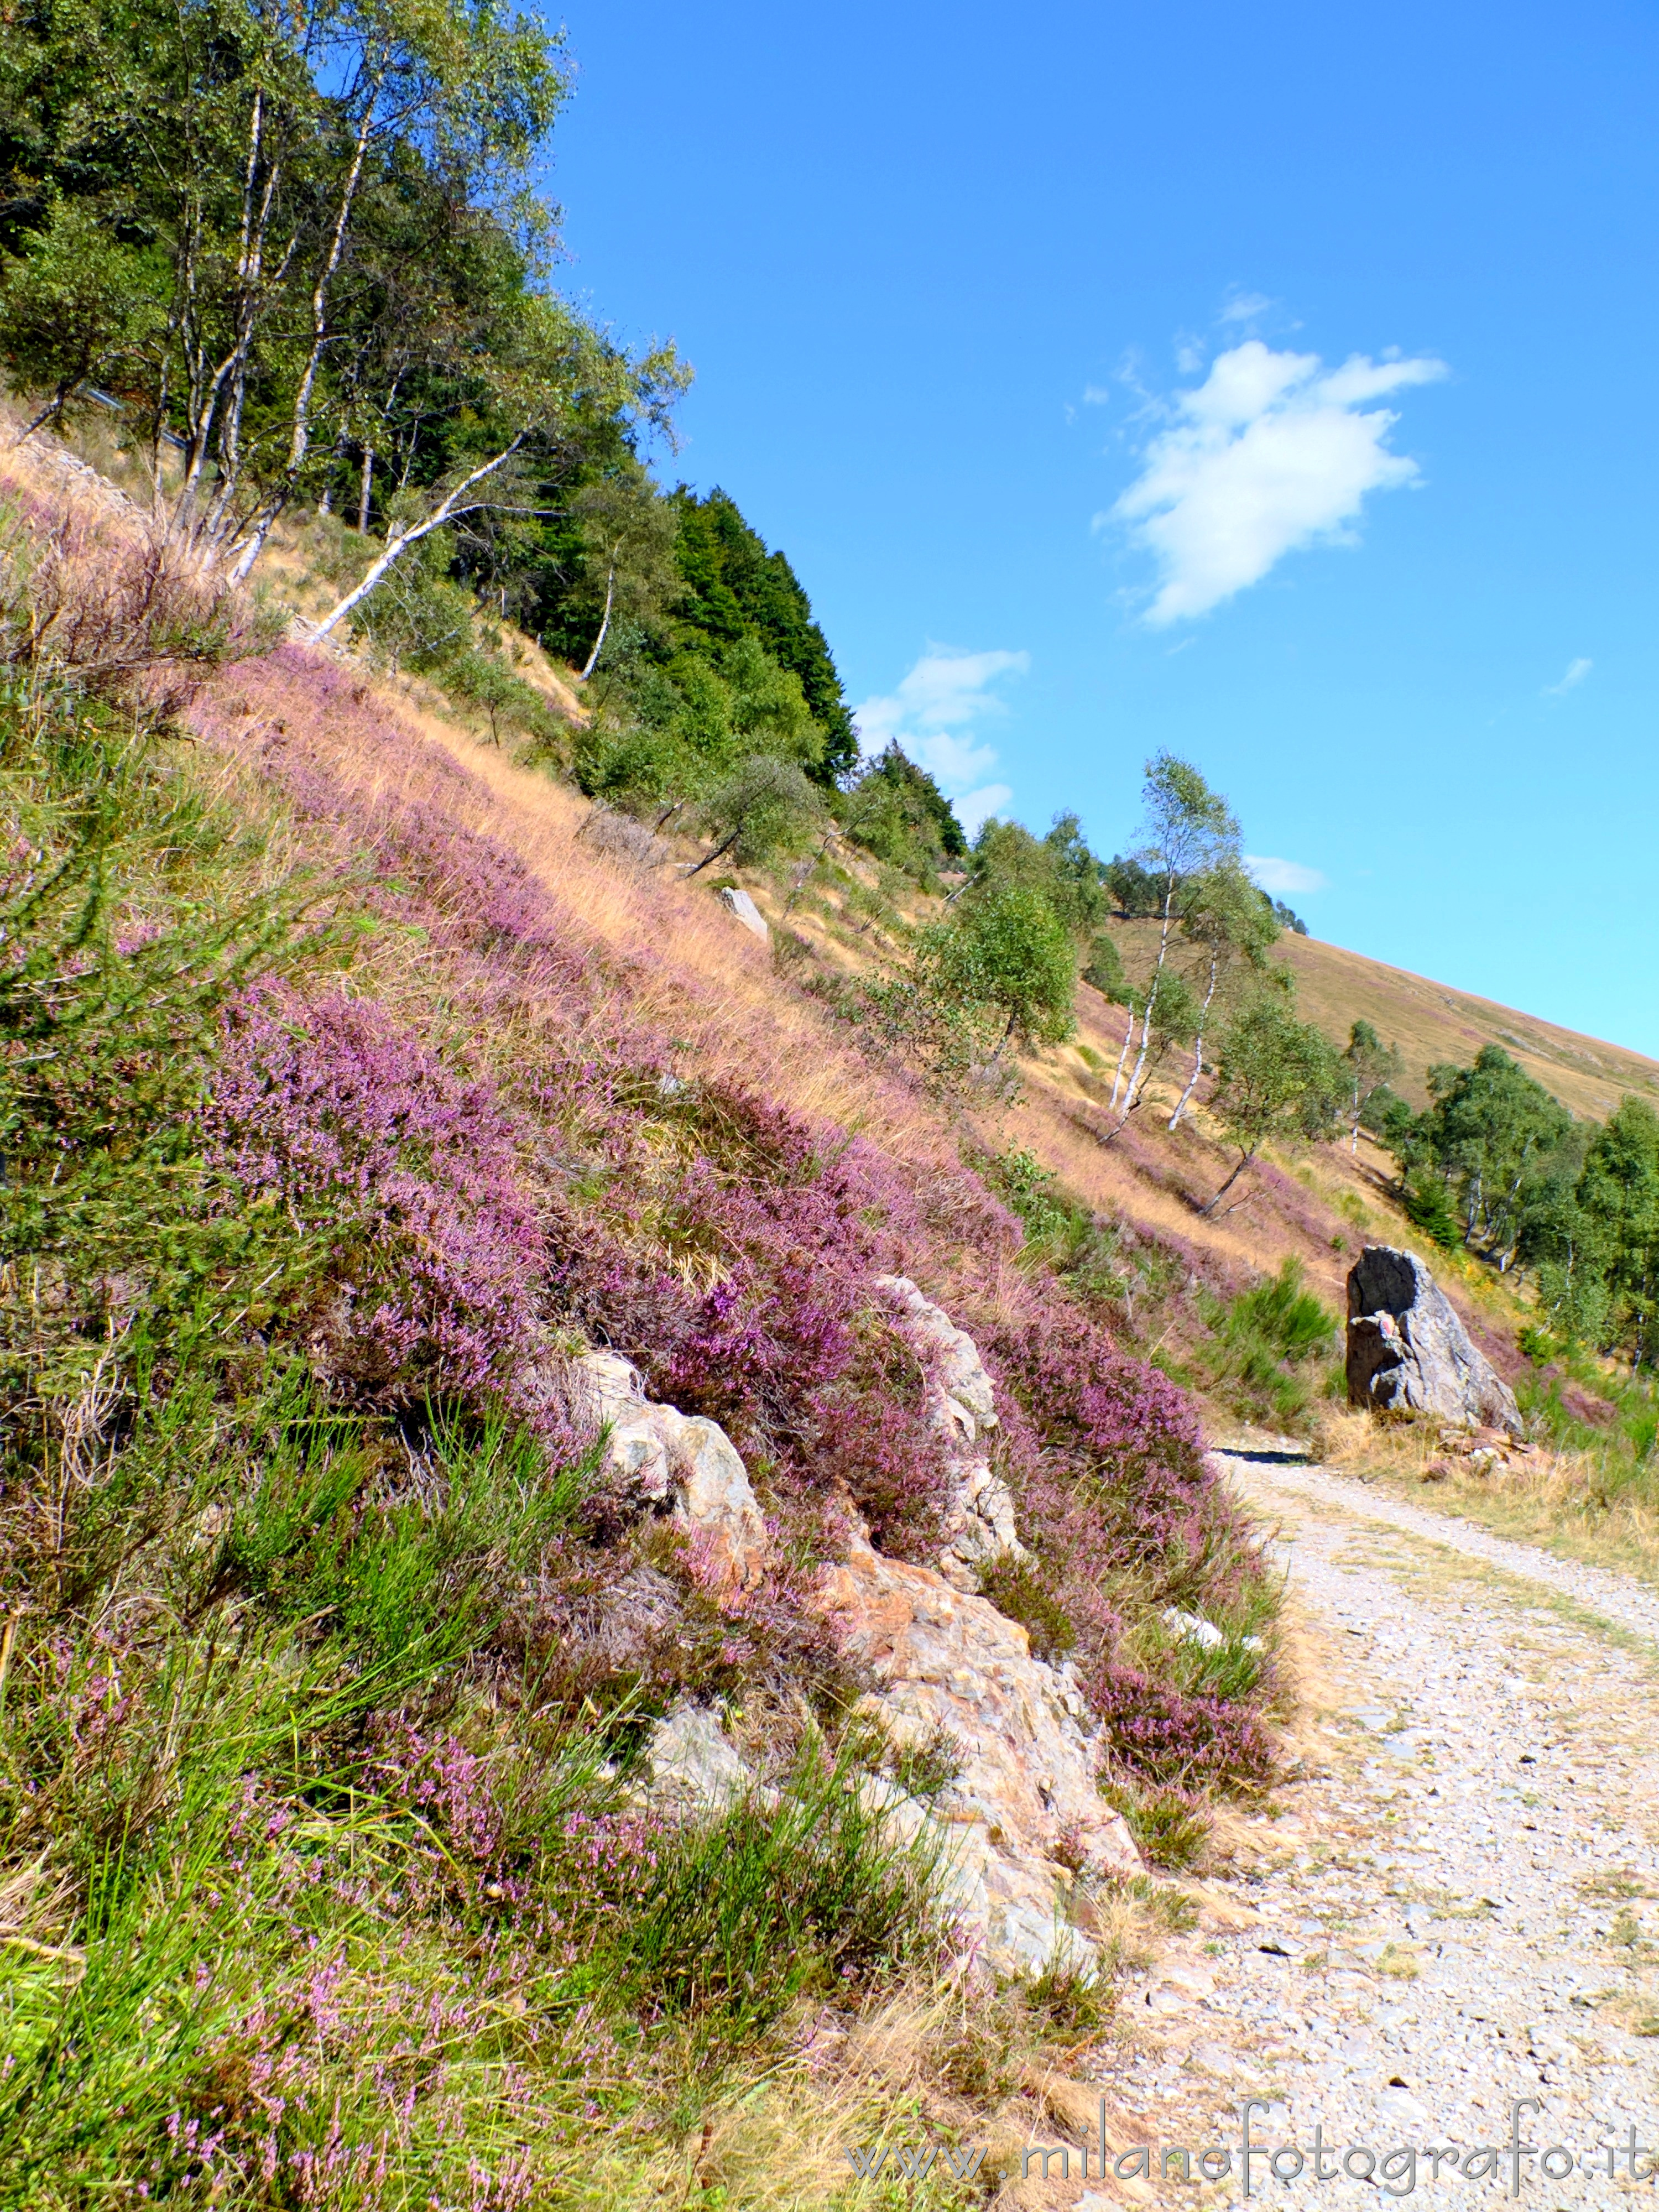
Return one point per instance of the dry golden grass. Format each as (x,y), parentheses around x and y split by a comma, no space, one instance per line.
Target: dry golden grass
(1432,1022)
(1553,1499)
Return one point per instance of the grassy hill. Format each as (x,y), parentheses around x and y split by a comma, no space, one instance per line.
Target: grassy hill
(1432,1022)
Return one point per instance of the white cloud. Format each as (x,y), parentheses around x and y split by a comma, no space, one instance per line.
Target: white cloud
(1242,307)
(1577,671)
(975,807)
(1267,454)
(1097,395)
(1282,877)
(931,715)
(953,763)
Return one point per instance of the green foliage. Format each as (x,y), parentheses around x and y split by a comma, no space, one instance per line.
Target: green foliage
(1135,891)
(1030,1189)
(1188,829)
(1490,1160)
(1373,1068)
(734,589)
(896,811)
(78,308)
(1171,1827)
(1007,951)
(1017,1587)
(424,1575)
(1280,1082)
(1105,969)
(1595,1243)
(1265,1346)
(1286,1316)
(1428,1206)
(782,1895)
(764,809)
(693,722)
(1060,868)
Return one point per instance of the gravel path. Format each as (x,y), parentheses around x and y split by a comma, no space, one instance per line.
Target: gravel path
(1457,1906)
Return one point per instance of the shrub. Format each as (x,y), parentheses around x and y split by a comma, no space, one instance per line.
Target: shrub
(1171,1826)
(1162,1731)
(328,1110)
(739,1914)
(1263,1344)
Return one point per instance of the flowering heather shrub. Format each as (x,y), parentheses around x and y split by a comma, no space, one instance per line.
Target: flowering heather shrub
(1160,1731)
(326,1107)
(728,1248)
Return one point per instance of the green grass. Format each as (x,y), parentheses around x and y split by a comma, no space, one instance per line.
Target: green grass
(1270,1353)
(320,1877)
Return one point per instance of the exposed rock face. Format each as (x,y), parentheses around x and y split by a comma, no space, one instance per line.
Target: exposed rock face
(939,1659)
(746,911)
(693,1766)
(1409,1352)
(1023,1812)
(962,1408)
(660,1457)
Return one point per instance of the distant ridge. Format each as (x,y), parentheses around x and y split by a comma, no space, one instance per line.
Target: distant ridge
(1431,1022)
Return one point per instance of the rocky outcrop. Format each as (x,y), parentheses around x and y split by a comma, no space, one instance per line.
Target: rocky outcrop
(1409,1353)
(962,1405)
(1022,1812)
(658,1458)
(746,911)
(690,1766)
(1021,1816)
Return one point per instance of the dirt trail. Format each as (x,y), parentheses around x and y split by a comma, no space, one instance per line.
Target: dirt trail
(1458,1907)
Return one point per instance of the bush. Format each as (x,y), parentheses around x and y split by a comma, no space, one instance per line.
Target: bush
(1172,1826)
(781,1894)
(1264,1342)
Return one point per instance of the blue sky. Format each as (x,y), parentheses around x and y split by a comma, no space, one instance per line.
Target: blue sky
(1274,384)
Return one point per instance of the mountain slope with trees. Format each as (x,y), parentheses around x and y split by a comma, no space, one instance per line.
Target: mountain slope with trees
(384,1042)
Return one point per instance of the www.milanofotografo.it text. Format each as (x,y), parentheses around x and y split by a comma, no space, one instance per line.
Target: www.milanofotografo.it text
(1513,2164)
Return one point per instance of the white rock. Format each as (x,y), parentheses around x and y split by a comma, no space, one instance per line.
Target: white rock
(1193,1628)
(660,1456)
(693,1768)
(941,1660)
(961,1407)
(746,911)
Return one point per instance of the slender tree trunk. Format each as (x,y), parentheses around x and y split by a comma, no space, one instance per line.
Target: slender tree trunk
(1123,1051)
(709,859)
(452,503)
(1002,1042)
(1244,1163)
(1129,1100)
(300,435)
(227,388)
(365,489)
(604,624)
(326,504)
(1198,1045)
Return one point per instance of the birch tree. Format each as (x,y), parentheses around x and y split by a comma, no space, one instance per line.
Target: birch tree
(1280,1081)
(1231,927)
(533,400)
(1189,830)
(1371,1064)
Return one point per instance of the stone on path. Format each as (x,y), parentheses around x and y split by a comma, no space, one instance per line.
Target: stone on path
(1409,1352)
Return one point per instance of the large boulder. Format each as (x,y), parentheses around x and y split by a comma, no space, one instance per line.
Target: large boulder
(1409,1353)
(1023,1812)
(660,1459)
(979,1521)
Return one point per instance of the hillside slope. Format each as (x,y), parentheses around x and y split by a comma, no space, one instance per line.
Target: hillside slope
(1432,1022)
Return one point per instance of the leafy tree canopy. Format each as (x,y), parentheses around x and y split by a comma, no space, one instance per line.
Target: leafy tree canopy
(897,810)
(735,588)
